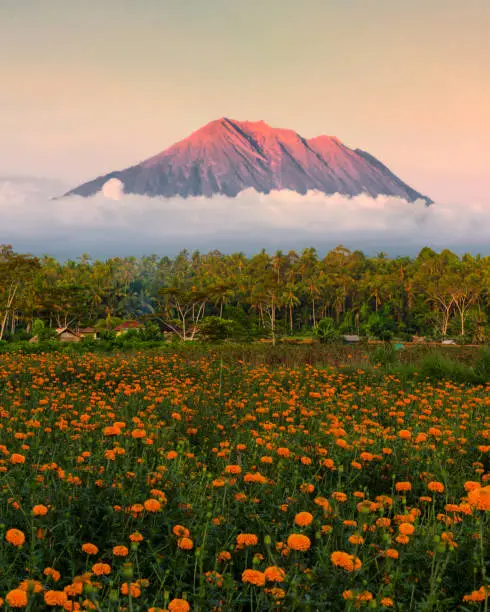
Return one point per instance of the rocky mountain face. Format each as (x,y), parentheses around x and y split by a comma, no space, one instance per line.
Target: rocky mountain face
(227,156)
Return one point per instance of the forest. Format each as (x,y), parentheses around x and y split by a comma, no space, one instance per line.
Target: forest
(434,295)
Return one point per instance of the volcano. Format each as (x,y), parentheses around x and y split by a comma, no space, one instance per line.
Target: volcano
(227,156)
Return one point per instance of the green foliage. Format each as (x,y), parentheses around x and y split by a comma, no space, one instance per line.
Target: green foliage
(385,355)
(326,331)
(380,325)
(437,366)
(215,329)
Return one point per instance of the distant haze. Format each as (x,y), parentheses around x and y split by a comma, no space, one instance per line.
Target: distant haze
(112,224)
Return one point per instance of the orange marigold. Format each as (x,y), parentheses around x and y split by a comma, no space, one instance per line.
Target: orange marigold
(181,531)
(185,544)
(403,486)
(55,598)
(348,562)
(15,537)
(356,539)
(255,577)
(133,588)
(406,528)
(16,598)
(298,541)
(274,574)
(101,569)
(233,469)
(178,605)
(152,505)
(39,510)
(436,487)
(477,596)
(246,539)
(120,551)
(17,459)
(480,498)
(90,549)
(303,519)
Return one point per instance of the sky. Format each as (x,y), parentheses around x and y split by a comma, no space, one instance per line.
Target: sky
(89,87)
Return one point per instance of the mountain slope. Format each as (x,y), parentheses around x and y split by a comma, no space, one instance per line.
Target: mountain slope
(227,156)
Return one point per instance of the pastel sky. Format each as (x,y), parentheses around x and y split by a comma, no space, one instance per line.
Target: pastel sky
(94,85)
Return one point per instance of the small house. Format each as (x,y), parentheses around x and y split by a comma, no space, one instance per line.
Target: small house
(65,334)
(126,326)
(88,332)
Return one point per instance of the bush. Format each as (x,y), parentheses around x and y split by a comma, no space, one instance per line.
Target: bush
(482,366)
(326,331)
(437,366)
(385,355)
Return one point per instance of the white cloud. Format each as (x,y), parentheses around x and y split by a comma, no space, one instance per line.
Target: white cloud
(105,225)
(113,189)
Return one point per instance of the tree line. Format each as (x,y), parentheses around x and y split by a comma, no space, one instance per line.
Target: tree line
(433,295)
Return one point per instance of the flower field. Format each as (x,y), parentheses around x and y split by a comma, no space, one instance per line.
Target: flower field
(147,482)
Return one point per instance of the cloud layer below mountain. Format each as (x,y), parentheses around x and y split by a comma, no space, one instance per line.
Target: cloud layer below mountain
(112,224)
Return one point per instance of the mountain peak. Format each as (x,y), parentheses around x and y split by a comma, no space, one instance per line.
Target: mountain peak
(227,156)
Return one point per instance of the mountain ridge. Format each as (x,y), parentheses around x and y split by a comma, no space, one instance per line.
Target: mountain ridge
(227,156)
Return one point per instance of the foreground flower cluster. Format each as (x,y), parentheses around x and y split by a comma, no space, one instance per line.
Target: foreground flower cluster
(147,483)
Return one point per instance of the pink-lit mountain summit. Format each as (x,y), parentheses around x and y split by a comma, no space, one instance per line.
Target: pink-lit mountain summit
(228,156)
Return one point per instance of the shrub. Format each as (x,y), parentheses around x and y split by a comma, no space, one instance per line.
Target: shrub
(326,331)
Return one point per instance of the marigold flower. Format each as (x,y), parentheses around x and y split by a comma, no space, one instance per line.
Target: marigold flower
(178,605)
(101,569)
(246,539)
(298,541)
(138,434)
(406,528)
(55,575)
(224,555)
(39,510)
(303,519)
(133,588)
(477,596)
(120,551)
(404,434)
(348,562)
(256,477)
(480,498)
(17,459)
(392,553)
(356,539)
(387,602)
(185,544)
(274,574)
(55,598)
(252,576)
(181,531)
(436,487)
(90,549)
(403,486)
(136,537)
(233,469)
(152,505)
(15,537)
(16,598)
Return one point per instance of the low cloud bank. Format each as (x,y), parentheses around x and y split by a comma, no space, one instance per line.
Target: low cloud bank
(112,223)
